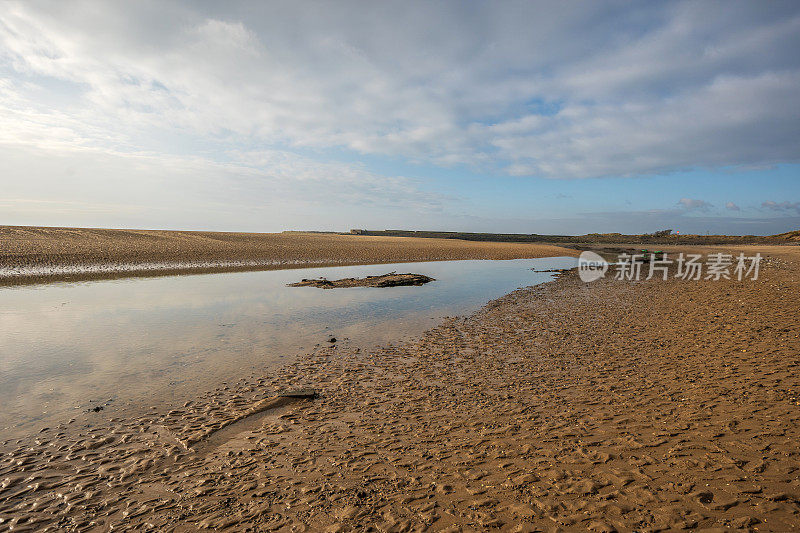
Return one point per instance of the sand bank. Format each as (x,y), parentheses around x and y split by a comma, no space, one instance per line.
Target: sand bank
(38,254)
(614,405)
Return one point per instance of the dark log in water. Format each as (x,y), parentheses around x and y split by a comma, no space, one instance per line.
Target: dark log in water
(391,279)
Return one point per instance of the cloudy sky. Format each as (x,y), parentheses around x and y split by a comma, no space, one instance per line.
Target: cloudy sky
(558,117)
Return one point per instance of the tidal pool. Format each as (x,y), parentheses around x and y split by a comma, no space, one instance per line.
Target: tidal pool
(139,342)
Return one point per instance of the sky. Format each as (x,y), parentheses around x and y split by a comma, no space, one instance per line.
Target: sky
(519,117)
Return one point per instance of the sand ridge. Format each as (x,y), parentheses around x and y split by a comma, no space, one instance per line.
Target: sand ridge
(39,254)
(629,406)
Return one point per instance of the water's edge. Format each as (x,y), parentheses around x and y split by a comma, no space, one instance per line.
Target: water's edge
(14,275)
(150,343)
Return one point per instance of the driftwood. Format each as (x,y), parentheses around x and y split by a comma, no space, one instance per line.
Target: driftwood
(391,279)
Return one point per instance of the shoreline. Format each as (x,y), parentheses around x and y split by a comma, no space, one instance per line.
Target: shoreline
(33,255)
(81,273)
(604,406)
(136,341)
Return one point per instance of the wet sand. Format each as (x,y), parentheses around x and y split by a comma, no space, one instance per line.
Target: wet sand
(38,254)
(649,406)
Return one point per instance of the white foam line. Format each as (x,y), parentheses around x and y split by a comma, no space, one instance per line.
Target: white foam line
(23,271)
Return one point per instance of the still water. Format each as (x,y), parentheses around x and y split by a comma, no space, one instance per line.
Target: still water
(128,344)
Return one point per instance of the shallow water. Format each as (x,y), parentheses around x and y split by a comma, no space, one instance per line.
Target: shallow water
(128,344)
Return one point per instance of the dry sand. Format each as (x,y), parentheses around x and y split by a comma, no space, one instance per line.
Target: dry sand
(36,254)
(650,406)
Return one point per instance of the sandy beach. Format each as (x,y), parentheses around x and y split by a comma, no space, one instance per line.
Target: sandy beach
(37,254)
(389,267)
(615,405)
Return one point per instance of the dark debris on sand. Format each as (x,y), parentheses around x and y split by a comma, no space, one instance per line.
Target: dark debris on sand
(392,279)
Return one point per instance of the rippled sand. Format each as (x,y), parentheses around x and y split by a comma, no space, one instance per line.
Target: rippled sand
(35,254)
(610,406)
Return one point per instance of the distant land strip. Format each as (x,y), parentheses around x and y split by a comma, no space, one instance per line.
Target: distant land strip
(659,237)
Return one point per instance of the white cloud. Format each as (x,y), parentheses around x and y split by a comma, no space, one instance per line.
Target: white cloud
(692,204)
(270,189)
(670,87)
(782,206)
(730,206)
